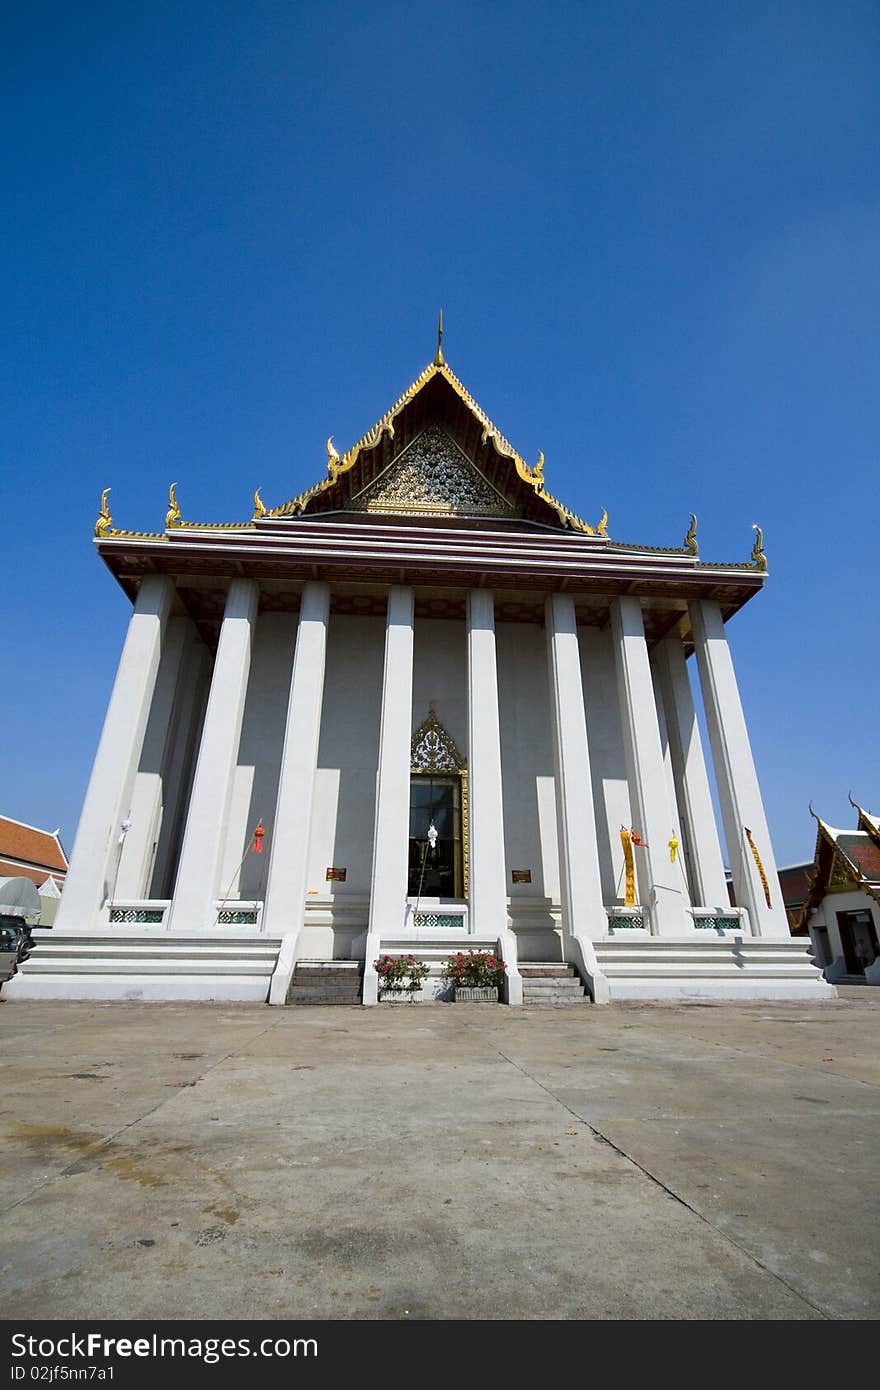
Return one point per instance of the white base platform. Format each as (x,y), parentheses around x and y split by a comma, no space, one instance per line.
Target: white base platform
(126,964)
(217,967)
(735,968)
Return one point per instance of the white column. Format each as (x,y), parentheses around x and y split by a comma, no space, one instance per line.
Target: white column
(738,790)
(583,913)
(198,872)
(178,776)
(488,881)
(391,834)
(133,878)
(660,881)
(698,829)
(96,849)
(289,850)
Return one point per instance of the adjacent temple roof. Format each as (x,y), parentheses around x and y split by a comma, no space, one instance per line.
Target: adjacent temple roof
(27,852)
(844,860)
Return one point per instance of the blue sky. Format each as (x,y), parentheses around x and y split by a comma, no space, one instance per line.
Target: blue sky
(654,232)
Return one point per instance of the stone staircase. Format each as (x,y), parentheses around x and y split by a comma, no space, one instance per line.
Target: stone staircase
(327,982)
(551,985)
(130,964)
(749,968)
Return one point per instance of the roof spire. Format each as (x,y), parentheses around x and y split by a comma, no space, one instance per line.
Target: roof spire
(439,359)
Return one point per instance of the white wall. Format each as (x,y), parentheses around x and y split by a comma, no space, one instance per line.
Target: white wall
(527,761)
(165,763)
(440,675)
(345,784)
(607,757)
(189,714)
(255,785)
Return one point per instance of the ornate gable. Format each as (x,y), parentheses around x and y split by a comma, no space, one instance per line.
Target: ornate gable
(438,399)
(432,477)
(433,749)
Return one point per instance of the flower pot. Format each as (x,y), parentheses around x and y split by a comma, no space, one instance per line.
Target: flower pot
(396,996)
(476,994)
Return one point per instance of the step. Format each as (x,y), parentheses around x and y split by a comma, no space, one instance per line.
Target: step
(340,977)
(548,984)
(350,984)
(155,952)
(59,965)
(548,996)
(540,972)
(327,982)
(317,996)
(355,967)
(562,1002)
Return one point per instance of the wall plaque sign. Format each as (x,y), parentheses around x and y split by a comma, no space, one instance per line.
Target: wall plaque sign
(336,875)
(521,875)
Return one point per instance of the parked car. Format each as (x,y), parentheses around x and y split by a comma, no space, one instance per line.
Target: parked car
(19,909)
(15,945)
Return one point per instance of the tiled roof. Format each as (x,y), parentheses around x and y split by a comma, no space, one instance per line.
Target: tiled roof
(862,851)
(794,883)
(37,876)
(25,842)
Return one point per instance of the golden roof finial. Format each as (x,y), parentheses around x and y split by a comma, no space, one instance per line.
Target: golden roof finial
(332,459)
(172,516)
(259,506)
(105,520)
(439,359)
(602,528)
(759,559)
(690,540)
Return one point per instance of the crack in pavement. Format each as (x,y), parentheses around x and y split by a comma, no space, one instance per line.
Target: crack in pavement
(670,1192)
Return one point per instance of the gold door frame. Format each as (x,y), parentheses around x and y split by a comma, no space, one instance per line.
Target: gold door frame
(433,750)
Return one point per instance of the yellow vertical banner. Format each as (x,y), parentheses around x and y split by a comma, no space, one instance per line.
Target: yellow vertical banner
(757,858)
(629,899)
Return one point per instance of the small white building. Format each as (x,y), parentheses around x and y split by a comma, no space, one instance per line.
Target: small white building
(842,907)
(425,637)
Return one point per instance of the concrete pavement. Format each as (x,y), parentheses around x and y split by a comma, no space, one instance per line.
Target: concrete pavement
(436,1161)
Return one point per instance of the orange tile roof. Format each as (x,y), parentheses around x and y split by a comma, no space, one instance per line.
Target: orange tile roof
(37,876)
(25,842)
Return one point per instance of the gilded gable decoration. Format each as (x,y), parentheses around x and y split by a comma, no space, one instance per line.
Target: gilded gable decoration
(841,877)
(432,476)
(104,524)
(172,516)
(759,559)
(433,749)
(340,465)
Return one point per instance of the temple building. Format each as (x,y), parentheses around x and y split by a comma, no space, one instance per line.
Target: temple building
(835,899)
(418,707)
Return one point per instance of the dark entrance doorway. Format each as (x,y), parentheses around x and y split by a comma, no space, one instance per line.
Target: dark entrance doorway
(437,872)
(858,939)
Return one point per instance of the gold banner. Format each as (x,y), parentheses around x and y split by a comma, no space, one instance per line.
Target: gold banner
(629,899)
(754,848)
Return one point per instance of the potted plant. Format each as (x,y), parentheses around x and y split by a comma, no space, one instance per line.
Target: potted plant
(400,977)
(475,976)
